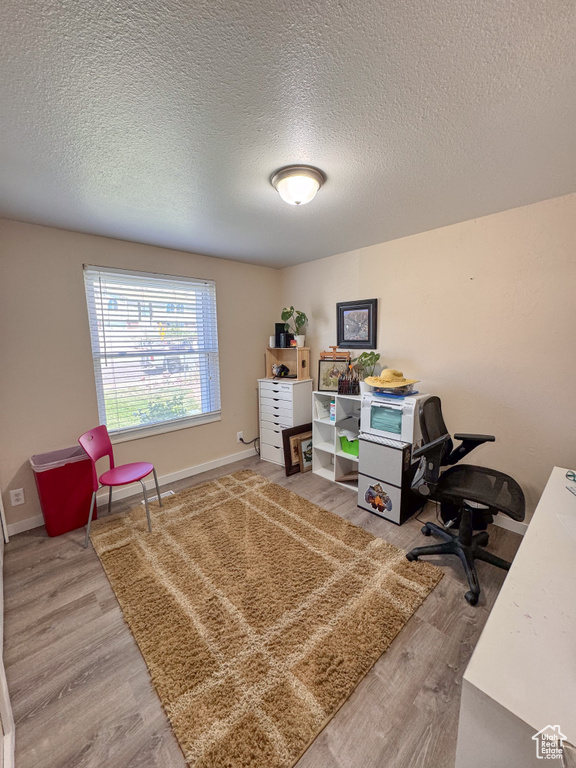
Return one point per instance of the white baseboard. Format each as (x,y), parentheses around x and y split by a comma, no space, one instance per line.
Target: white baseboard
(133,490)
(511,525)
(25,525)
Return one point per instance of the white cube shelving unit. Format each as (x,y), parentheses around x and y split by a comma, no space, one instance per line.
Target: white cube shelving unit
(328,458)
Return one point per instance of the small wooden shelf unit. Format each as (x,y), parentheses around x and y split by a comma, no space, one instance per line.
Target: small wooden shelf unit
(297,359)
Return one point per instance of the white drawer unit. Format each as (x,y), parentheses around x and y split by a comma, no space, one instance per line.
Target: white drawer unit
(282,404)
(267,421)
(271,434)
(271,453)
(276,390)
(385,476)
(281,415)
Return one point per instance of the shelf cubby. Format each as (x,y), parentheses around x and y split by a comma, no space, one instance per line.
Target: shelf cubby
(296,359)
(328,458)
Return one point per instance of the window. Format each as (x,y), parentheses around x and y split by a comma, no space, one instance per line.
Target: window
(155,368)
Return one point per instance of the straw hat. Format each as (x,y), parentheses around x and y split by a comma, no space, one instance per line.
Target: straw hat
(390,378)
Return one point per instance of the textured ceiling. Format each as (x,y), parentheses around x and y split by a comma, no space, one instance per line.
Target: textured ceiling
(161,121)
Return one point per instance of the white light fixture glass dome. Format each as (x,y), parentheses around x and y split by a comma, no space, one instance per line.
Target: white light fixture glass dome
(298,184)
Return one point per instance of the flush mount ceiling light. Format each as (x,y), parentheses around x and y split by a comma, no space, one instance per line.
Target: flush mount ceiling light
(298,184)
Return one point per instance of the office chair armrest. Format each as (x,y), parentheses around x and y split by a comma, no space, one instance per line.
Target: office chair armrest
(430,456)
(469,442)
(428,448)
(475,438)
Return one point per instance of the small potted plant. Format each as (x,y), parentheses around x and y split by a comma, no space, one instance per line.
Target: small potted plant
(299,320)
(366,365)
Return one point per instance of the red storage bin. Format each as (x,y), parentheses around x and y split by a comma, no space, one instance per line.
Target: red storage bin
(64,483)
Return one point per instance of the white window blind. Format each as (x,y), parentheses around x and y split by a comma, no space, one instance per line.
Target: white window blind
(155,348)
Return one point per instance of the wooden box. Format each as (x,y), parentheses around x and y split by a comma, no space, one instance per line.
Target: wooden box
(296,359)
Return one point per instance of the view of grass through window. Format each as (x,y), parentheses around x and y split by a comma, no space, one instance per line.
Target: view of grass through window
(142,405)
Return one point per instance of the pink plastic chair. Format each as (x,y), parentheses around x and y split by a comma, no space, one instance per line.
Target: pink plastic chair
(96,443)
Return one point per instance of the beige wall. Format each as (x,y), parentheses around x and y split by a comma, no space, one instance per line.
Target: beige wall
(47,390)
(484,313)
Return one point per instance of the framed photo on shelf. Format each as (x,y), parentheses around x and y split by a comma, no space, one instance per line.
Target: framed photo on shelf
(328,372)
(356,323)
(305,452)
(290,440)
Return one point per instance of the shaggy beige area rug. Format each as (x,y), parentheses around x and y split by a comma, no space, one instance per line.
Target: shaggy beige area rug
(257,613)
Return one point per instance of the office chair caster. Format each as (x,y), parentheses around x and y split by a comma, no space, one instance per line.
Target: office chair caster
(471,597)
(411,557)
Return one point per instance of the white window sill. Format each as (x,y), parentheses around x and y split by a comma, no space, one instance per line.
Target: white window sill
(159,429)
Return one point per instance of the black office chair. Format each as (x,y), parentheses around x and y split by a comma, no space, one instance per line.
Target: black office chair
(470,496)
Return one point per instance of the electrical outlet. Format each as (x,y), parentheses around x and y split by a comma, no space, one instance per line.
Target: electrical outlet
(17,497)
(239,437)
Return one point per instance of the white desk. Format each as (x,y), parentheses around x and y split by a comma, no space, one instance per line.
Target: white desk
(522,675)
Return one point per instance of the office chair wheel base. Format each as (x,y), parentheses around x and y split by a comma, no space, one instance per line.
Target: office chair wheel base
(411,557)
(471,597)
(426,531)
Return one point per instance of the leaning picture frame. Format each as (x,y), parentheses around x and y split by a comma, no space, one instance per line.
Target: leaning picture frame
(328,373)
(356,323)
(305,452)
(290,438)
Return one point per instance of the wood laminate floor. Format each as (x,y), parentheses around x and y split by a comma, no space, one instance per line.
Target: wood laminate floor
(82,697)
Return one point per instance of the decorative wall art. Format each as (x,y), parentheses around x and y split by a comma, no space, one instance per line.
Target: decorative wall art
(305,452)
(356,322)
(328,373)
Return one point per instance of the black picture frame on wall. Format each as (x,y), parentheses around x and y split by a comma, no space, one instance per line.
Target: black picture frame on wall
(356,323)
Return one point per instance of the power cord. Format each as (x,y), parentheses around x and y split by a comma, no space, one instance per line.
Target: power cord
(446,526)
(256,442)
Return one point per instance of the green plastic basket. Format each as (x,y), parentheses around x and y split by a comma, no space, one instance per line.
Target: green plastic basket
(349,446)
